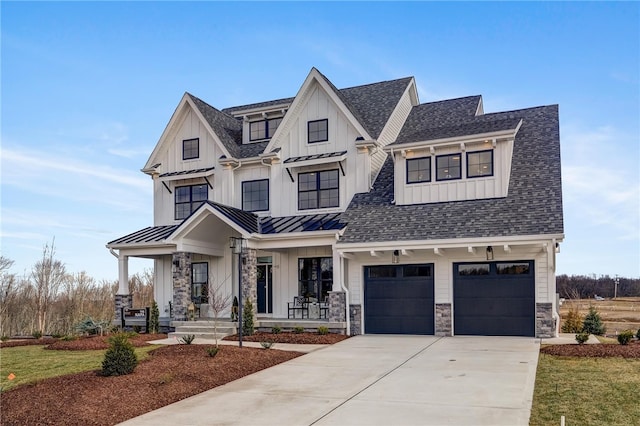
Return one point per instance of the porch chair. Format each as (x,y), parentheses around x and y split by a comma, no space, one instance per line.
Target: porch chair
(324,308)
(299,304)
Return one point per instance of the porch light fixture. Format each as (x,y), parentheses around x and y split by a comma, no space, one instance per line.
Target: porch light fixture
(237,245)
(395,258)
(489,253)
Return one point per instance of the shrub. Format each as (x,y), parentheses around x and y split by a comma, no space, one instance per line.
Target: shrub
(37,334)
(120,358)
(212,351)
(638,334)
(188,339)
(137,329)
(323,330)
(4,338)
(625,337)
(573,322)
(266,345)
(154,319)
(91,327)
(68,338)
(582,337)
(276,330)
(247,318)
(593,323)
(298,330)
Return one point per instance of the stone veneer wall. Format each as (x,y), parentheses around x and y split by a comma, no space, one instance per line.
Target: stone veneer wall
(122,301)
(545,323)
(181,285)
(443,319)
(250,278)
(337,306)
(355,315)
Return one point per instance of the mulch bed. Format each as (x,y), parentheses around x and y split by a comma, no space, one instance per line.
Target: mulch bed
(632,350)
(171,373)
(290,337)
(81,343)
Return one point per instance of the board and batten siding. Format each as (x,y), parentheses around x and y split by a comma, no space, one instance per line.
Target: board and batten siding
(341,137)
(171,159)
(453,190)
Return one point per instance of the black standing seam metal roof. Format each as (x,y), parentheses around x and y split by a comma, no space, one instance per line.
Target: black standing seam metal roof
(314,157)
(246,220)
(150,234)
(308,223)
(187,172)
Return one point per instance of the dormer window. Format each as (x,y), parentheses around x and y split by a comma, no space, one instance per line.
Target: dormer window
(263,129)
(190,149)
(448,167)
(480,164)
(419,170)
(318,131)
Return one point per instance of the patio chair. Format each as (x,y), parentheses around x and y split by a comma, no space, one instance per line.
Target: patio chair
(299,304)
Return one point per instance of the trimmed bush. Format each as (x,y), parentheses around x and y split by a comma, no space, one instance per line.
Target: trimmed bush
(298,330)
(625,337)
(247,318)
(212,351)
(322,330)
(582,337)
(593,323)
(120,359)
(154,319)
(638,334)
(37,334)
(276,330)
(573,322)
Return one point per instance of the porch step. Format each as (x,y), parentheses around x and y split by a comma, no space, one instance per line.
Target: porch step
(203,329)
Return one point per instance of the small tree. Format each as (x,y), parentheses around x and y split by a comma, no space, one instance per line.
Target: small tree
(218,302)
(154,319)
(573,322)
(593,323)
(247,318)
(120,358)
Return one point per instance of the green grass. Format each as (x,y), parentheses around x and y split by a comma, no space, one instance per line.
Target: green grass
(587,391)
(32,363)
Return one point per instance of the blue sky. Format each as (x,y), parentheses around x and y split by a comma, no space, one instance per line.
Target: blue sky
(87,89)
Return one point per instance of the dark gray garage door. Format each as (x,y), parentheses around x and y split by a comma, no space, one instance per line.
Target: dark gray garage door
(494,298)
(398,299)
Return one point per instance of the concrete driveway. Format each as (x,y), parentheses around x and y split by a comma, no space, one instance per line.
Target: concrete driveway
(377,380)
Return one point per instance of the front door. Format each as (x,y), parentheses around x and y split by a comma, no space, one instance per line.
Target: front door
(265,289)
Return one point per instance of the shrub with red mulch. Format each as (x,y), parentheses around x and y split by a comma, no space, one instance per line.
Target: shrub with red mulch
(290,337)
(632,350)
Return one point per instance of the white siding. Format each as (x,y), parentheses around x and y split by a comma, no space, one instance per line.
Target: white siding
(454,190)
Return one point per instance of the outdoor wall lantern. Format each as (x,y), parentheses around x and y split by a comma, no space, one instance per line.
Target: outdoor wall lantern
(237,245)
(395,258)
(489,253)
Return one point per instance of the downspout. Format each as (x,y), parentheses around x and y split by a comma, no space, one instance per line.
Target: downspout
(113,253)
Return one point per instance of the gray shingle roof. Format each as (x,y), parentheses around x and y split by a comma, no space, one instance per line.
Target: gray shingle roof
(533,205)
(371,104)
(414,132)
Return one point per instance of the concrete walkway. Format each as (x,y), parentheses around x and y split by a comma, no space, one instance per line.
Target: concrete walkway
(376,380)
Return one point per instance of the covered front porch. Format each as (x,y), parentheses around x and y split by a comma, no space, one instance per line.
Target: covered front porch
(280,261)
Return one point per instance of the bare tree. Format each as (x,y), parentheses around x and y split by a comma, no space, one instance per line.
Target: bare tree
(47,276)
(8,292)
(218,302)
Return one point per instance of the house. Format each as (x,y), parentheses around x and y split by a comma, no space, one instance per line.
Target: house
(398,216)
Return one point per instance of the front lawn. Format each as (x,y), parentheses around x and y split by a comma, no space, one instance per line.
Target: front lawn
(587,391)
(32,363)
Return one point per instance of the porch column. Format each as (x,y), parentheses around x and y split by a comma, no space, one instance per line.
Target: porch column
(181,285)
(250,278)
(122,298)
(123,274)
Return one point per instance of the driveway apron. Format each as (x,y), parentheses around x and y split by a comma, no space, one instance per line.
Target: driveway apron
(376,380)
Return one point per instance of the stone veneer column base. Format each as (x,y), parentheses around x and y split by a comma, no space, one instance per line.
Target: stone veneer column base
(250,278)
(443,319)
(545,323)
(337,306)
(181,285)
(122,301)
(355,315)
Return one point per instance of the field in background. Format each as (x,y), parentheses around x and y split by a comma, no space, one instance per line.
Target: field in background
(622,313)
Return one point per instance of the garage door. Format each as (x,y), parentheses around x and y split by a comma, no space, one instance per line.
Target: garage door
(494,299)
(398,299)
